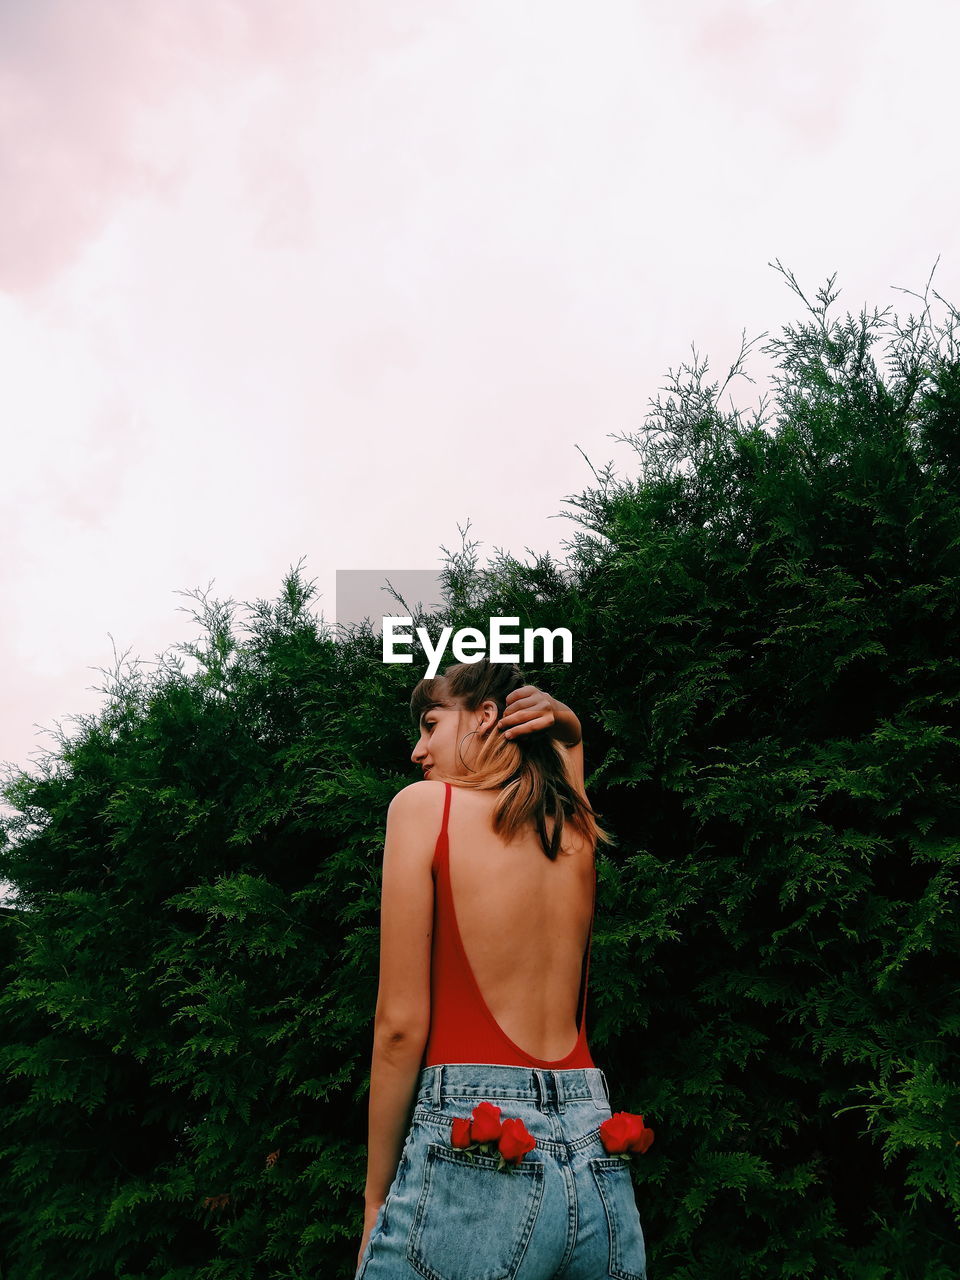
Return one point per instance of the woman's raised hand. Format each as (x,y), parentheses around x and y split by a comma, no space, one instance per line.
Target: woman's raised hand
(528,709)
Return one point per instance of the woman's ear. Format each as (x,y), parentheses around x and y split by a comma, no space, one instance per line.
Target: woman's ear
(490,715)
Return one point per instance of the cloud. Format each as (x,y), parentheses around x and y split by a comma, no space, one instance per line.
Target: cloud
(775,64)
(78,82)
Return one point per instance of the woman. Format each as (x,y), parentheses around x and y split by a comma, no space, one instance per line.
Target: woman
(486,1159)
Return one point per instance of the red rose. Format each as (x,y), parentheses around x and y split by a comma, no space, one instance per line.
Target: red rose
(486,1124)
(616,1132)
(515,1141)
(485,1128)
(461,1133)
(625,1132)
(643,1139)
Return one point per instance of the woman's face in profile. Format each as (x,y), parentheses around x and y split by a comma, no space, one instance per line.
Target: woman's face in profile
(436,751)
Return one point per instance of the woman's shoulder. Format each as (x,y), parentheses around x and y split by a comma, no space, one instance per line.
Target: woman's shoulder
(418,796)
(425,800)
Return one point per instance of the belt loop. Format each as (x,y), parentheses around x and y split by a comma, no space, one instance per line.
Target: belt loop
(598,1087)
(606,1087)
(437,1077)
(541,1088)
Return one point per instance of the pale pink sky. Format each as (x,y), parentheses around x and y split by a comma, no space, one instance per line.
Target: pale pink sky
(326,280)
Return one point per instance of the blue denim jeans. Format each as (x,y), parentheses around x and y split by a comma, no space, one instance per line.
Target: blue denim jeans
(567,1210)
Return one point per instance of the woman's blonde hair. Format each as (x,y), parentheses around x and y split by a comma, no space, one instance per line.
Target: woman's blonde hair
(528,770)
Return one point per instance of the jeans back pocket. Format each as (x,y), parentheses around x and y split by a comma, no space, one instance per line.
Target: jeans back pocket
(628,1254)
(473,1220)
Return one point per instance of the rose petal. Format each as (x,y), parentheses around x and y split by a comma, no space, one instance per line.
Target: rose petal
(615,1133)
(460,1137)
(515,1140)
(486,1125)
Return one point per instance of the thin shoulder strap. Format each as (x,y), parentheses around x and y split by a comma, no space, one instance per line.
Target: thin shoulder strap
(442,837)
(446,808)
(585,975)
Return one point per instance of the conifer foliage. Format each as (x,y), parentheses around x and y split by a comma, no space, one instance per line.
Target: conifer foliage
(767,669)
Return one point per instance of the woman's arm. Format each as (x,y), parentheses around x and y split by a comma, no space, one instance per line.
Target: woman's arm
(394,1072)
(402,1018)
(529,710)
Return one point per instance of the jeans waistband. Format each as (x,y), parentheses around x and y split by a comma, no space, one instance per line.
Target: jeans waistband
(467,1080)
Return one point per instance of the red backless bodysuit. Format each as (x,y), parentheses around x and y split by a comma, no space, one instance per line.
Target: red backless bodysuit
(462,1028)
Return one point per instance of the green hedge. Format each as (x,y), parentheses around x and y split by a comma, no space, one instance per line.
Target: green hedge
(766,666)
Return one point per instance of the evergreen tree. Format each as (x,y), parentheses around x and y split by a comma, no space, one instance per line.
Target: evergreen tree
(766,669)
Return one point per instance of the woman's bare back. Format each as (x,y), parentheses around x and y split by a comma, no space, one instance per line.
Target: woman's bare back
(524,922)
